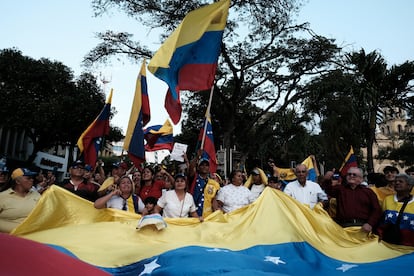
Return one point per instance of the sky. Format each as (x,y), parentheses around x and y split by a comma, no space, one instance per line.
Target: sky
(64,31)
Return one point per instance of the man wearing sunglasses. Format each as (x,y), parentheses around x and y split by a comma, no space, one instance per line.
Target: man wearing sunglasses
(77,184)
(357,205)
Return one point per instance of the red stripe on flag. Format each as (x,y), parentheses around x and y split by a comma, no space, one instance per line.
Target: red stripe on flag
(173,106)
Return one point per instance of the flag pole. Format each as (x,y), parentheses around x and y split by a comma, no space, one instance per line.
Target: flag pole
(207,117)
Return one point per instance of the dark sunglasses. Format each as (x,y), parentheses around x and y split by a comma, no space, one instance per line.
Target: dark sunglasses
(352,174)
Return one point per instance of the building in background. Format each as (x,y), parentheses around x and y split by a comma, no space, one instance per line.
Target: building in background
(390,137)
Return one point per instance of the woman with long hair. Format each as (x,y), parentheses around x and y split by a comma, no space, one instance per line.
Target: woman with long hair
(151,187)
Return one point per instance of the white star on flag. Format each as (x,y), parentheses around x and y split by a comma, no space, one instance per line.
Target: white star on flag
(275,260)
(149,268)
(217,250)
(346,267)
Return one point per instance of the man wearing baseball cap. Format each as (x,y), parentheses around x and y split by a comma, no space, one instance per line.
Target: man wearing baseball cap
(77,184)
(202,186)
(18,201)
(390,172)
(119,168)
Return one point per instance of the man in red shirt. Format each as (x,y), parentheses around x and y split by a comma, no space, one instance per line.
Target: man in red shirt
(77,183)
(357,205)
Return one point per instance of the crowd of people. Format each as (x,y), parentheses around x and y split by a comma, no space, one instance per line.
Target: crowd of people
(380,204)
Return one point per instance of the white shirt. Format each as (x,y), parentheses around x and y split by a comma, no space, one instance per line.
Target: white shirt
(310,194)
(117,202)
(256,190)
(173,207)
(234,197)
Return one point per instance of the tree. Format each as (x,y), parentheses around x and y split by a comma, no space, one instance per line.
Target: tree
(404,154)
(358,91)
(43,98)
(330,98)
(265,58)
(379,87)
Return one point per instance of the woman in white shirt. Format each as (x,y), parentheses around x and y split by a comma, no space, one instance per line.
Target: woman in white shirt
(177,203)
(234,195)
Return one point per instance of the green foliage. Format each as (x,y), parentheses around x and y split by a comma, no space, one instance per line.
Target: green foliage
(330,97)
(266,60)
(43,98)
(404,154)
(115,134)
(350,101)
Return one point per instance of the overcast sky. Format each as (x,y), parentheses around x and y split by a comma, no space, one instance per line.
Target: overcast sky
(65,30)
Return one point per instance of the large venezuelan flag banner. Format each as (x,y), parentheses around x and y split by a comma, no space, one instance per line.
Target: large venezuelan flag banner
(275,235)
(187,60)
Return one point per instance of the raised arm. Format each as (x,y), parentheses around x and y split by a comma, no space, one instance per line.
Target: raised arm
(193,164)
(168,175)
(100,203)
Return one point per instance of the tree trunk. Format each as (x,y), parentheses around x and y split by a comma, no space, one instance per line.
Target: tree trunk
(228,142)
(370,141)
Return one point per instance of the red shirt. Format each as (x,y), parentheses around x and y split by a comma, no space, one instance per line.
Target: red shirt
(359,203)
(85,190)
(155,190)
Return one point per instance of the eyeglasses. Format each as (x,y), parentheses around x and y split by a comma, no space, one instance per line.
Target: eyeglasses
(352,174)
(391,172)
(77,167)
